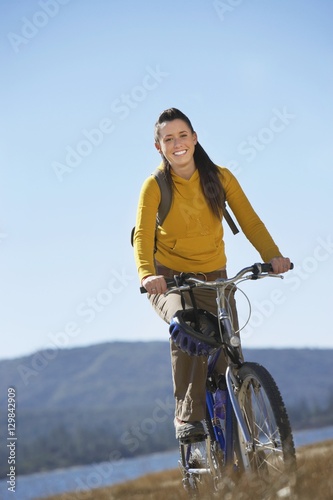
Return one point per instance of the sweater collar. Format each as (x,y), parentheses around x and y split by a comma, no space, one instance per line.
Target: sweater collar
(180,180)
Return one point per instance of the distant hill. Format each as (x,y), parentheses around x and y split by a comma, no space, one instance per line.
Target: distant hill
(115,400)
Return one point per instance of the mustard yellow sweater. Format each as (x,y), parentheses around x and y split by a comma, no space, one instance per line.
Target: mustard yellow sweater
(191,238)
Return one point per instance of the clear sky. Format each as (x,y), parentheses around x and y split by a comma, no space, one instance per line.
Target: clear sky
(81,87)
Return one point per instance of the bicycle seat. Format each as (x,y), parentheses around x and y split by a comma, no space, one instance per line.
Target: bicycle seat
(195,331)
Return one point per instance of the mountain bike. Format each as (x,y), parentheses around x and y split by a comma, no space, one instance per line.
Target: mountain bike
(252,436)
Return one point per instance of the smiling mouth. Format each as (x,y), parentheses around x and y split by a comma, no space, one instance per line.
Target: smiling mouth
(180,153)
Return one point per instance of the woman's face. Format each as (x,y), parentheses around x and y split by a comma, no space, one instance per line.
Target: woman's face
(177,143)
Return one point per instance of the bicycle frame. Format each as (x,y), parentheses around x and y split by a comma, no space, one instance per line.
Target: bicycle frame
(230,344)
(225,439)
(259,442)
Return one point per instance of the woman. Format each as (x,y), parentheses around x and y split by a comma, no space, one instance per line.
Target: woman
(191,240)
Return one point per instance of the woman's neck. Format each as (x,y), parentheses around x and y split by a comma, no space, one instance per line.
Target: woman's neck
(184,171)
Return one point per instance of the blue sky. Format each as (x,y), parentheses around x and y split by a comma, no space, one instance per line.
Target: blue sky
(82,85)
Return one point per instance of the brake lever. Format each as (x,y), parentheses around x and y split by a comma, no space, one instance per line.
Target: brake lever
(181,278)
(182,288)
(266,275)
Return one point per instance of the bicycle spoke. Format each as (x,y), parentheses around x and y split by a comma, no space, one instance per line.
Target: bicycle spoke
(267,422)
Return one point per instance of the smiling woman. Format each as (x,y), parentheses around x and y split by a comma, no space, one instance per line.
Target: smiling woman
(177,143)
(190,239)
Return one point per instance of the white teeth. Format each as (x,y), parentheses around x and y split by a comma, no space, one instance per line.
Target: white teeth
(178,153)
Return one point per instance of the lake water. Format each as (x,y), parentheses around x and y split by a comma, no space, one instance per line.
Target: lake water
(107,473)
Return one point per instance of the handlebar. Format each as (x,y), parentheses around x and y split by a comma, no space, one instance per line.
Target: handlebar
(256,271)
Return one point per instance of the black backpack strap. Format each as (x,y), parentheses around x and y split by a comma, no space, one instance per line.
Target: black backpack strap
(166,199)
(166,195)
(230,221)
(132,236)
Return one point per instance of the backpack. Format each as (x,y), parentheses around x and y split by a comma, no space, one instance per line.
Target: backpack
(166,200)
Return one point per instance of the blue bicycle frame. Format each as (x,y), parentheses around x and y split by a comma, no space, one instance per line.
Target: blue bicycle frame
(225,439)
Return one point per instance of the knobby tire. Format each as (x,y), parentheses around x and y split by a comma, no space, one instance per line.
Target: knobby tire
(272,456)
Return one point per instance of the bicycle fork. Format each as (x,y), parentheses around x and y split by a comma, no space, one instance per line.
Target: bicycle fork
(190,465)
(231,383)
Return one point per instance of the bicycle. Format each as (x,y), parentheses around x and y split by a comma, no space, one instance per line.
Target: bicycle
(253,434)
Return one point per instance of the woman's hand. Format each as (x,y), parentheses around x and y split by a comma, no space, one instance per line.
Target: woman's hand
(280,265)
(154,284)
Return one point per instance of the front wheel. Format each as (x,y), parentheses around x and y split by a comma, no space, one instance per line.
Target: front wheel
(271,453)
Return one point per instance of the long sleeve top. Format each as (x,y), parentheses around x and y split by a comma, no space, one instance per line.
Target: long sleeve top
(191,237)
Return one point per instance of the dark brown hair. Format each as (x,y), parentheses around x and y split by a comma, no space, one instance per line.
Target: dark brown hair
(208,171)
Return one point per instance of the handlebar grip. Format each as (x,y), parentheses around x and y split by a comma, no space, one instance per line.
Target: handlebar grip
(266,268)
(170,283)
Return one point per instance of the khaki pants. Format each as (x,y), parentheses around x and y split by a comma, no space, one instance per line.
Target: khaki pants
(189,372)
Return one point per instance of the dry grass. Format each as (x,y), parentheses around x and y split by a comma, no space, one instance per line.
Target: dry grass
(315,481)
